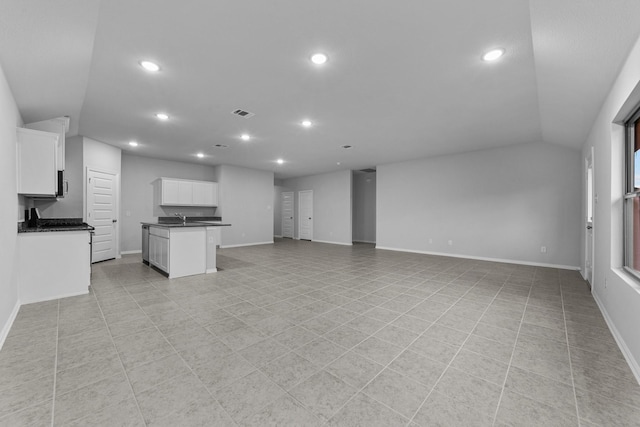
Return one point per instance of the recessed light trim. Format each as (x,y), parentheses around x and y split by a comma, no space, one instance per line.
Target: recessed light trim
(493,55)
(280,161)
(245,137)
(306,123)
(133,143)
(200,155)
(150,66)
(319,58)
(162,116)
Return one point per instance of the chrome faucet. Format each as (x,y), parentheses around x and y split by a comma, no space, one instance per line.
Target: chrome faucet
(182,217)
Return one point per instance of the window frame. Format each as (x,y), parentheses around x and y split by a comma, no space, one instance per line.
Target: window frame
(631,193)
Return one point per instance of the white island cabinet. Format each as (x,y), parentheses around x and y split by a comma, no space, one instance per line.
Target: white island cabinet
(178,251)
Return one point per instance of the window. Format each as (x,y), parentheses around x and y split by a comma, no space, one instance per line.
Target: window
(632,196)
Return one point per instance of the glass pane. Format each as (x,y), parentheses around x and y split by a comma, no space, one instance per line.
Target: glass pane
(632,223)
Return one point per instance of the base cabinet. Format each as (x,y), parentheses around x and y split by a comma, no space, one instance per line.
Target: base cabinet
(53,265)
(178,251)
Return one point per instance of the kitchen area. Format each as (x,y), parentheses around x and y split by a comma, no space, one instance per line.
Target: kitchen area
(70,214)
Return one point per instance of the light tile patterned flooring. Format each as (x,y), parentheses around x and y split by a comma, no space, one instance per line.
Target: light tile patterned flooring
(306,334)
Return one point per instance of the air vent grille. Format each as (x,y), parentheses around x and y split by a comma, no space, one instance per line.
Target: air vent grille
(243,113)
(367,170)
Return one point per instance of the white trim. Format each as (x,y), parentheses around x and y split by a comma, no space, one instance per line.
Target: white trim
(278,236)
(583,273)
(7,326)
(364,241)
(332,243)
(138,251)
(211,270)
(633,363)
(73,294)
(481,258)
(246,244)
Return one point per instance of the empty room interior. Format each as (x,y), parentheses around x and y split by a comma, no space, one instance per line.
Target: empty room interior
(320,213)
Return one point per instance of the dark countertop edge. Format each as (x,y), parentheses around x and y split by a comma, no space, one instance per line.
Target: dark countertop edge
(181,225)
(54,229)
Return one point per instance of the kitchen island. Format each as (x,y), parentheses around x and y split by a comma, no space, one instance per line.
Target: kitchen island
(182,248)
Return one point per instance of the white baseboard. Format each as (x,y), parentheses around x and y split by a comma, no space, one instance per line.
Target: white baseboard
(139,251)
(480,258)
(246,244)
(332,243)
(7,326)
(364,241)
(73,294)
(278,236)
(633,363)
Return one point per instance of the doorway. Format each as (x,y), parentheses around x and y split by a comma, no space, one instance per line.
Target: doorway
(287,214)
(305,215)
(589,234)
(102,213)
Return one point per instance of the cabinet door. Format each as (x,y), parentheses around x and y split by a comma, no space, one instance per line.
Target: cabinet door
(170,192)
(203,193)
(153,252)
(185,193)
(59,126)
(214,194)
(36,152)
(163,255)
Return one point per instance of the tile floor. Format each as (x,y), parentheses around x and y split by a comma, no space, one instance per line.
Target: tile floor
(306,334)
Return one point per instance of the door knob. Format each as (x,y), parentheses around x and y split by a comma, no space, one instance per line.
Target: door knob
(589,227)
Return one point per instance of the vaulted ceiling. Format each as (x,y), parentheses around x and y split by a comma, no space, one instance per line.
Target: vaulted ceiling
(403,80)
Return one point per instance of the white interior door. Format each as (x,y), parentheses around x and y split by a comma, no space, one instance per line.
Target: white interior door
(102,214)
(287,214)
(589,209)
(305,215)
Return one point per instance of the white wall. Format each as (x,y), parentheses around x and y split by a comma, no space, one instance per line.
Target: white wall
(617,293)
(332,205)
(11,209)
(277,209)
(246,201)
(137,199)
(364,207)
(503,203)
(71,206)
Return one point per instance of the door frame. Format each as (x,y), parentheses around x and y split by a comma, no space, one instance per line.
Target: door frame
(590,204)
(293,208)
(300,212)
(85,196)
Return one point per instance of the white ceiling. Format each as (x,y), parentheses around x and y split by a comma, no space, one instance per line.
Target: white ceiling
(404,79)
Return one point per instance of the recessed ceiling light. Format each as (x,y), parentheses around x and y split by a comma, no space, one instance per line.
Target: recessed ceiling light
(133,143)
(162,116)
(306,123)
(150,66)
(280,161)
(319,58)
(492,55)
(338,163)
(200,155)
(245,137)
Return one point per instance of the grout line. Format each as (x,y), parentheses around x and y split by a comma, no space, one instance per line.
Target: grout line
(566,334)
(513,351)
(461,345)
(104,319)
(55,368)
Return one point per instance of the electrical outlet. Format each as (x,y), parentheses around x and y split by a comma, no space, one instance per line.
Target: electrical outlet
(430,240)
(605,283)
(127,213)
(543,249)
(450,242)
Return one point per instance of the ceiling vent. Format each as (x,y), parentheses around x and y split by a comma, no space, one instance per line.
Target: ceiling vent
(221,146)
(368,170)
(243,113)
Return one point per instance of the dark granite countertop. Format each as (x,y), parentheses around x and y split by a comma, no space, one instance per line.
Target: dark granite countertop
(22,228)
(192,221)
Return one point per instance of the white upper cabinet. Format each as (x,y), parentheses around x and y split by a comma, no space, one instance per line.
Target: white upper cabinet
(37,154)
(58,126)
(184,192)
